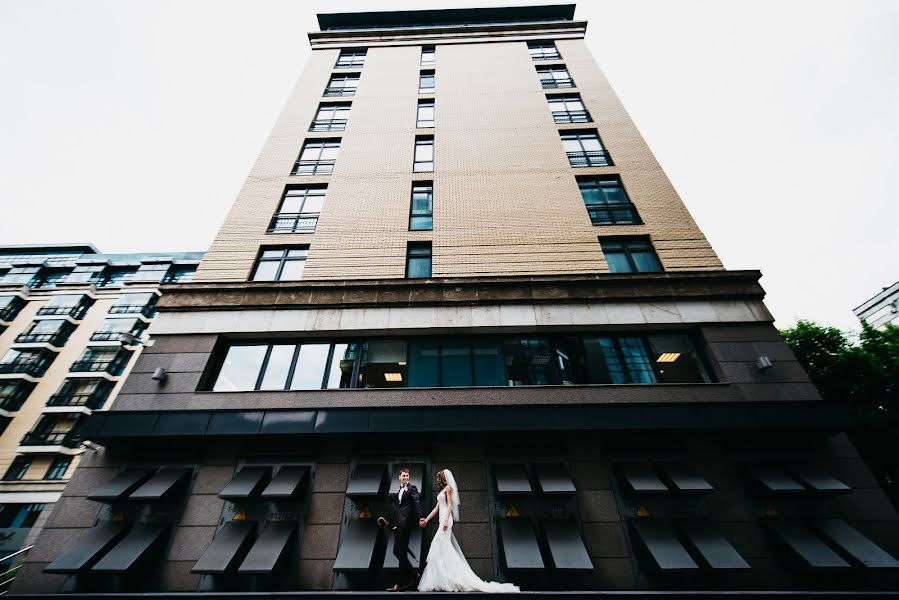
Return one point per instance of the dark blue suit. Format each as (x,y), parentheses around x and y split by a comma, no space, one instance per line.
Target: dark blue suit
(408,512)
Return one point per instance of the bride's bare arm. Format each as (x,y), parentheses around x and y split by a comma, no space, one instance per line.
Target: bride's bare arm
(449,502)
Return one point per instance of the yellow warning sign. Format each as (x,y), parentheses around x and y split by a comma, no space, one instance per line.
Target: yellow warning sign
(643,512)
(240,515)
(770,511)
(119,516)
(512,512)
(365,514)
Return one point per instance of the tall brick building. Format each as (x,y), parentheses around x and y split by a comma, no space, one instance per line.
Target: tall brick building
(456,251)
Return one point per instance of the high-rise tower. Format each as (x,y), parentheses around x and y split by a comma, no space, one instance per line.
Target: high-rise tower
(456,251)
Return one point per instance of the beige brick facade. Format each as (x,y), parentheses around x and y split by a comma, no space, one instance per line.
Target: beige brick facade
(506,201)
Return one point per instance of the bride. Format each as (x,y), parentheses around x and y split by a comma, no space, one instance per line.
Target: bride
(447,570)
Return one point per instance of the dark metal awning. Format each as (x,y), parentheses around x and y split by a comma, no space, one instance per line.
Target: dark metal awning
(641,478)
(246,483)
(142,538)
(166,481)
(416,476)
(520,549)
(511,479)
(805,546)
(93,544)
(287,483)
(775,480)
(859,548)
(392,562)
(566,545)
(366,480)
(662,546)
(713,547)
(554,479)
(226,549)
(818,480)
(357,545)
(269,548)
(120,486)
(684,478)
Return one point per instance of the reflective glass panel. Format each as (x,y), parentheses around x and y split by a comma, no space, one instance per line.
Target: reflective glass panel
(240,369)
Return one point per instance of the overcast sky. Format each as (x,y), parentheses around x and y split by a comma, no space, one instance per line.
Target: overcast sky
(132,125)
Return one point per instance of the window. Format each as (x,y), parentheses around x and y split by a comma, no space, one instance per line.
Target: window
(152,272)
(299,210)
(428,55)
(330,117)
(72,305)
(425,117)
(281,264)
(113,276)
(630,255)
(53,430)
(58,467)
(317,157)
(554,77)
(20,276)
(17,468)
(418,260)
(19,516)
(143,303)
(10,307)
(342,85)
(543,51)
(13,393)
(85,274)
(82,391)
(49,331)
(584,149)
(180,274)
(606,201)
(424,154)
(49,278)
(568,109)
(421,213)
(112,329)
(102,359)
(351,59)
(461,360)
(29,362)
(426,82)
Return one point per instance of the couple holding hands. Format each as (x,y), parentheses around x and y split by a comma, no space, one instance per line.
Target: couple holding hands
(446,569)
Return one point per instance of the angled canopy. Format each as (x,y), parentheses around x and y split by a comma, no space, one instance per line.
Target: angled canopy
(520,549)
(127,553)
(511,479)
(805,546)
(165,482)
(287,483)
(270,547)
(367,480)
(818,480)
(554,479)
(713,547)
(357,545)
(859,548)
(684,478)
(662,546)
(227,548)
(775,480)
(641,478)
(248,482)
(120,486)
(566,545)
(93,544)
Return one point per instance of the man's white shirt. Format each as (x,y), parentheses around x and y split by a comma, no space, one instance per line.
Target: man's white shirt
(399,496)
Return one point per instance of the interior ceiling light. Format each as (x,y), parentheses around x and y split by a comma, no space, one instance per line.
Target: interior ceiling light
(668,357)
(393,376)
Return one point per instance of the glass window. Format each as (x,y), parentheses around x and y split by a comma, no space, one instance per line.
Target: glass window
(17,468)
(568,109)
(351,59)
(277,367)
(13,392)
(64,301)
(299,210)
(343,364)
(180,274)
(317,157)
(425,117)
(630,255)
(456,366)
(330,117)
(421,215)
(543,51)
(58,467)
(424,363)
(311,365)
(554,77)
(46,326)
(428,55)
(10,307)
(418,260)
(152,272)
(528,361)
(424,154)
(342,85)
(676,360)
(584,149)
(19,516)
(283,264)
(383,364)
(426,82)
(241,368)
(142,299)
(606,201)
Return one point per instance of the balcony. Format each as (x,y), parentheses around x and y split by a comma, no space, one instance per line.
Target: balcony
(328,125)
(314,167)
(571,116)
(57,339)
(293,223)
(76,312)
(65,439)
(92,401)
(546,55)
(12,403)
(557,84)
(339,91)
(112,366)
(616,214)
(11,307)
(593,158)
(33,367)
(146,310)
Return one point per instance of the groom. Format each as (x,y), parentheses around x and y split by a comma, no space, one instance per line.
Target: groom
(408,512)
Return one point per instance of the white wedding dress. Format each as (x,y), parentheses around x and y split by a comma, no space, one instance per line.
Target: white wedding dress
(447,570)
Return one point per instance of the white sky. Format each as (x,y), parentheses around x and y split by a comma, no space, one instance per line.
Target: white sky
(132,125)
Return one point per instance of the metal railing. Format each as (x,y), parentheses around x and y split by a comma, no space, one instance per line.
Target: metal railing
(340,91)
(69,439)
(328,125)
(76,312)
(571,116)
(349,64)
(313,167)
(108,336)
(553,55)
(614,214)
(33,368)
(12,403)
(554,84)
(54,339)
(593,158)
(113,366)
(127,309)
(91,401)
(7,577)
(9,313)
(293,222)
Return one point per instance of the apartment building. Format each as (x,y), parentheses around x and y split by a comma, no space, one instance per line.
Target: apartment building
(881,309)
(64,310)
(456,251)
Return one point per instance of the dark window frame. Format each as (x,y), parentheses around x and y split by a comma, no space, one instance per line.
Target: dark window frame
(628,247)
(349,58)
(342,91)
(318,166)
(18,467)
(591,182)
(567,116)
(414,247)
(57,469)
(583,157)
(541,45)
(423,123)
(282,260)
(420,166)
(303,222)
(427,73)
(334,123)
(417,187)
(428,50)
(555,83)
